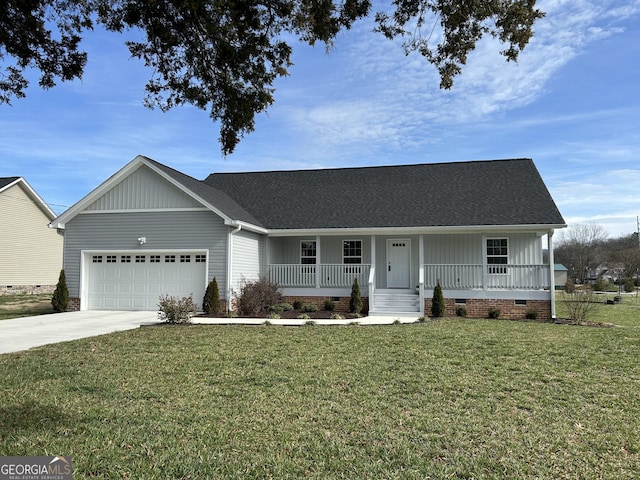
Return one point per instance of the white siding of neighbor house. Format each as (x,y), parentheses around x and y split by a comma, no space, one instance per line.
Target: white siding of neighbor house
(195,230)
(143,189)
(248,257)
(30,251)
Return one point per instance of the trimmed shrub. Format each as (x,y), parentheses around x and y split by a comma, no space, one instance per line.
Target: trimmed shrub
(461,311)
(60,298)
(211,301)
(176,310)
(569,287)
(286,307)
(329,305)
(437,304)
(297,304)
(355,303)
(310,308)
(494,312)
(531,315)
(257,296)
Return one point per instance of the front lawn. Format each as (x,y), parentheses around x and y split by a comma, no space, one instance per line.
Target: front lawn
(454,398)
(14,306)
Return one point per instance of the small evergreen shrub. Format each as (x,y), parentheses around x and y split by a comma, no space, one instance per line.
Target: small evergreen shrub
(531,315)
(336,316)
(329,305)
(355,303)
(257,296)
(286,307)
(629,286)
(600,285)
(211,301)
(277,309)
(310,308)
(176,310)
(297,304)
(461,311)
(494,312)
(437,304)
(60,298)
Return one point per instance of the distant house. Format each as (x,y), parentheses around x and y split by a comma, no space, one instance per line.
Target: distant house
(560,272)
(474,227)
(30,251)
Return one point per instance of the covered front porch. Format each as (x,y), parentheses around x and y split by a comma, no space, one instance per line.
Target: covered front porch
(398,273)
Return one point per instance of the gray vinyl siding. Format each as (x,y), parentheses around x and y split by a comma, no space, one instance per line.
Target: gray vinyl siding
(163,230)
(30,251)
(286,250)
(143,189)
(248,257)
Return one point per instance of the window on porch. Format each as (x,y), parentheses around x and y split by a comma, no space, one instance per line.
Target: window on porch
(497,255)
(308,256)
(352,256)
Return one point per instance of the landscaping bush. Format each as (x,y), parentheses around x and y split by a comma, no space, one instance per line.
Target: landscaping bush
(297,304)
(461,311)
(580,304)
(569,287)
(329,305)
(336,316)
(600,285)
(629,286)
(257,296)
(176,310)
(494,312)
(286,307)
(355,303)
(60,298)
(211,301)
(531,315)
(310,308)
(437,304)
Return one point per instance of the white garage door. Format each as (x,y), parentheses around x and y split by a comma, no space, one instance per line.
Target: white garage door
(135,281)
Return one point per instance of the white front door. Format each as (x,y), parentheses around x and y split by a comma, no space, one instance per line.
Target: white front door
(398,263)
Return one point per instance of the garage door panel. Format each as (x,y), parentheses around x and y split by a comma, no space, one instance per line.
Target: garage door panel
(135,281)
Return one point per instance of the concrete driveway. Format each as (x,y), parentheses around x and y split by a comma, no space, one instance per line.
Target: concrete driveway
(23,333)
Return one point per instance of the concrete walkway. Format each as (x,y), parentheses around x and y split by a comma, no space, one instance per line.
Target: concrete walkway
(28,332)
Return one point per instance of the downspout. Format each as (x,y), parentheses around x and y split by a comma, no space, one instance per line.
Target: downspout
(552,279)
(229,264)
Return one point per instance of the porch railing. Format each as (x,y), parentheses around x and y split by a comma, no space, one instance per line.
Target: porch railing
(497,277)
(329,275)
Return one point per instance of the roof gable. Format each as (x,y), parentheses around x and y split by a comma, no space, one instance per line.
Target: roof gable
(7,182)
(480,193)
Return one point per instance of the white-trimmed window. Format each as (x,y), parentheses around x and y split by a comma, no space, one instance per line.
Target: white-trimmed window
(308,255)
(112,258)
(140,258)
(169,259)
(352,255)
(201,258)
(497,255)
(154,258)
(125,258)
(97,259)
(185,258)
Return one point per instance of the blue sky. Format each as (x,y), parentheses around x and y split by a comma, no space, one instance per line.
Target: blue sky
(571,103)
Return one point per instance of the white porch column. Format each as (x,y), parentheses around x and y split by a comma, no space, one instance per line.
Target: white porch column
(421,272)
(485,274)
(372,261)
(318,262)
(552,277)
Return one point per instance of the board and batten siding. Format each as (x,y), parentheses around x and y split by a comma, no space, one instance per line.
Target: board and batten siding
(248,258)
(164,230)
(30,251)
(143,189)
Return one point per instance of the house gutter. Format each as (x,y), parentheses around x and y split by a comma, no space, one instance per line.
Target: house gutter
(229,262)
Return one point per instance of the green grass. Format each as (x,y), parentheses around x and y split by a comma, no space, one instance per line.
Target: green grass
(14,306)
(455,398)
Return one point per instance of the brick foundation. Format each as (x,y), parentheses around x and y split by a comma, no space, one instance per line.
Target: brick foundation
(74,305)
(26,289)
(341,305)
(479,308)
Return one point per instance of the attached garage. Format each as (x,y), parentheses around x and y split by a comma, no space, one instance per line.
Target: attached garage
(136,280)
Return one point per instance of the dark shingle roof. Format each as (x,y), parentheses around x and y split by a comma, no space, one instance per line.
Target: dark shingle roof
(4,181)
(498,192)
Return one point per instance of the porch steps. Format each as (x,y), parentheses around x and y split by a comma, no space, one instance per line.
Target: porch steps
(389,302)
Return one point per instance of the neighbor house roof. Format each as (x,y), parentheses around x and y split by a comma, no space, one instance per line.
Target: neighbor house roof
(6,181)
(475,193)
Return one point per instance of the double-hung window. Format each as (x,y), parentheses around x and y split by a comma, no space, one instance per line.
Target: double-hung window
(352,255)
(497,255)
(308,256)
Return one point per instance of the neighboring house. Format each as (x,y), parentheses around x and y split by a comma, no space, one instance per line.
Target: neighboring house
(476,227)
(30,251)
(560,275)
